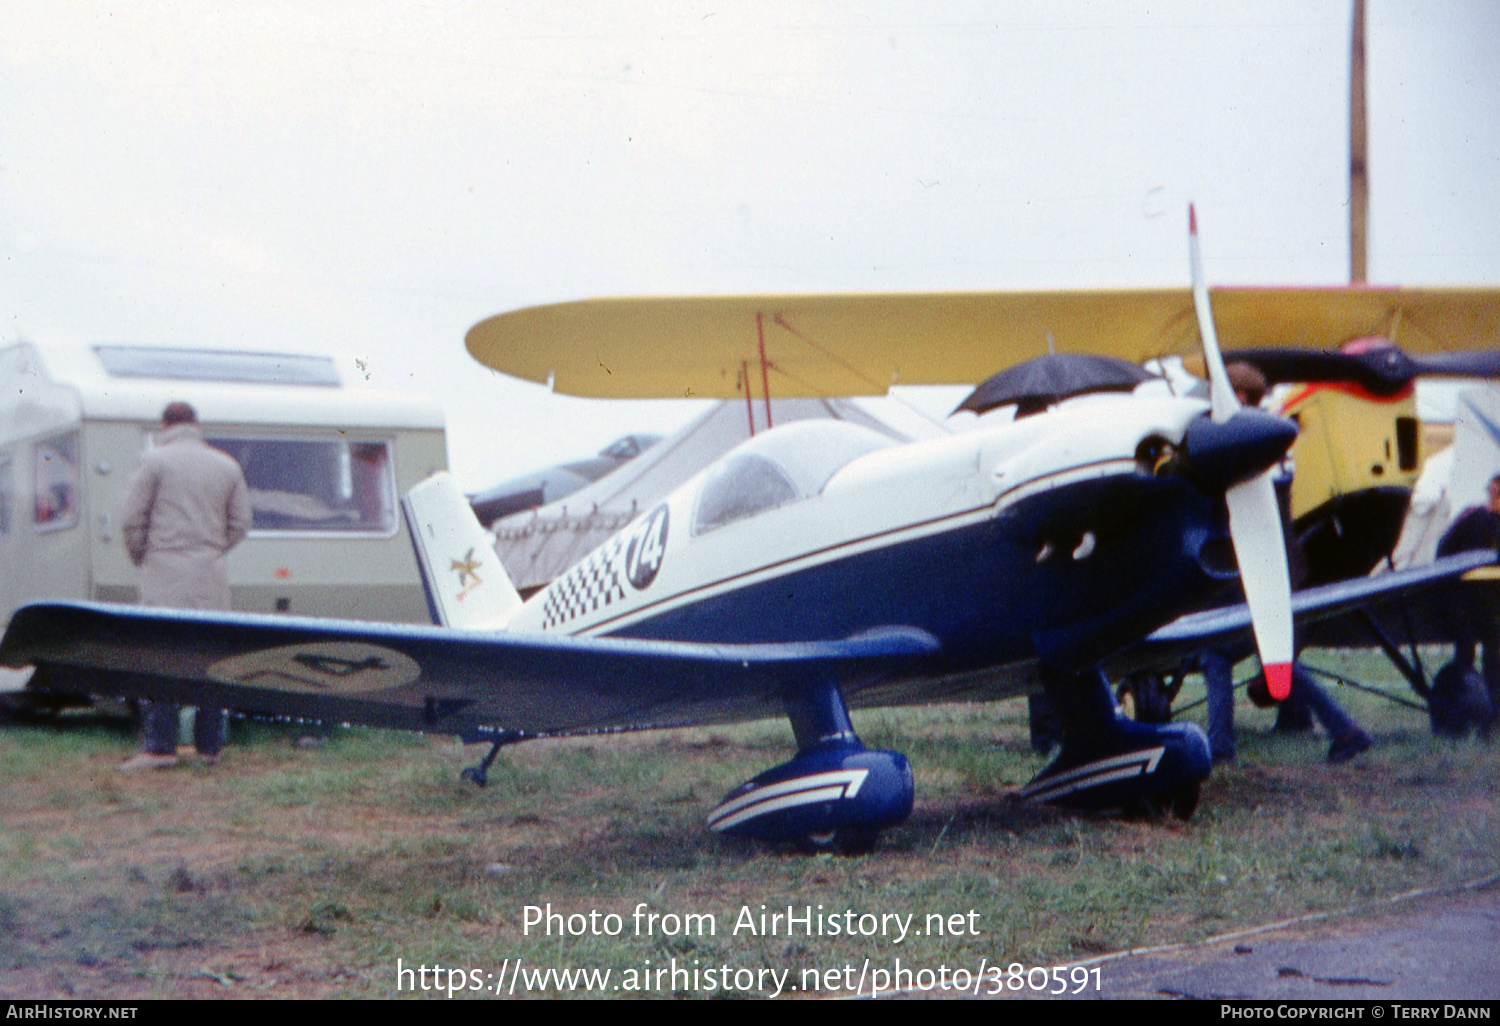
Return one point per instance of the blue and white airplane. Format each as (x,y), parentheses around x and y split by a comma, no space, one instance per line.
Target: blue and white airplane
(815,567)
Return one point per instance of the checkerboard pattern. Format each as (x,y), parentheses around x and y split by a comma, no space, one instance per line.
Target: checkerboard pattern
(597,581)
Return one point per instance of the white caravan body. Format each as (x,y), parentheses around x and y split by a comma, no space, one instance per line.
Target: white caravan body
(326,457)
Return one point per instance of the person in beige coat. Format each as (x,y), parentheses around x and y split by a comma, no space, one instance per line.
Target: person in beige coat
(187,506)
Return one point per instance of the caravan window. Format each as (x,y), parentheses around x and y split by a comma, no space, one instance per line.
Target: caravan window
(56,479)
(317,485)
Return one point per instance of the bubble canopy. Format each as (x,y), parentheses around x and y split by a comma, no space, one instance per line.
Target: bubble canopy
(779,467)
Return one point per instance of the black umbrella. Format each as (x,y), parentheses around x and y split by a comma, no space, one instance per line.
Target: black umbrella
(1038,383)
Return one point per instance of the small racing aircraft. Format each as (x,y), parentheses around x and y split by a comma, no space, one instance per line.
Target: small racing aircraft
(815,567)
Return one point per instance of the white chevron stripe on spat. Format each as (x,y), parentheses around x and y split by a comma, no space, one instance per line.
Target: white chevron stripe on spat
(787,794)
(1092,774)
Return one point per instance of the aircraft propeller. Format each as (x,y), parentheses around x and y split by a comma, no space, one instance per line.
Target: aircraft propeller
(1380,369)
(1254,515)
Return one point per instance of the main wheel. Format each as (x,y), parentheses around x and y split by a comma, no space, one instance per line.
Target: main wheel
(1459,702)
(475,775)
(1184,802)
(1181,803)
(1146,698)
(848,841)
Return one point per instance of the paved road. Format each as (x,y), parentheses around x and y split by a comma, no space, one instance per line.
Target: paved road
(1434,947)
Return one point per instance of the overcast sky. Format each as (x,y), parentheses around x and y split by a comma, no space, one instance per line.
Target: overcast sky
(373,178)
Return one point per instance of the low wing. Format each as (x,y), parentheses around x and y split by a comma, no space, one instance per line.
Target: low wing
(1329,615)
(431,678)
(449,681)
(862,344)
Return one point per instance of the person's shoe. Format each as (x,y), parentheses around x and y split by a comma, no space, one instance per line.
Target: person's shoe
(148,761)
(1348,746)
(207,760)
(1292,721)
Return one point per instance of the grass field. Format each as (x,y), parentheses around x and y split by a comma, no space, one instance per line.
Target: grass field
(293,871)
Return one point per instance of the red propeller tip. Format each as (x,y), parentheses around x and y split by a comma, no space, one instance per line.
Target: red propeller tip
(1279,680)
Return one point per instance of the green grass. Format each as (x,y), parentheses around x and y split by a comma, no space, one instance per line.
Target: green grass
(308,871)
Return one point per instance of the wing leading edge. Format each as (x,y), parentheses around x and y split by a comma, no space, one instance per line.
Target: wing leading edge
(1321,613)
(432,678)
(449,681)
(862,344)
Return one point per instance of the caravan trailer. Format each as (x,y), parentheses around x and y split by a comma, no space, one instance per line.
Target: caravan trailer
(326,458)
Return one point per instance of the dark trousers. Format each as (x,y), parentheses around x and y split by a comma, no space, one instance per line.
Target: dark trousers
(1218,681)
(159,727)
(1308,701)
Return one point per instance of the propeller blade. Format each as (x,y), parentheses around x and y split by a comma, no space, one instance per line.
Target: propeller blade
(1382,371)
(1260,549)
(1221,393)
(1484,364)
(1254,514)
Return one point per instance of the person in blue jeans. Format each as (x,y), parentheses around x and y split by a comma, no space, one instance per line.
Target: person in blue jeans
(1218,680)
(1308,701)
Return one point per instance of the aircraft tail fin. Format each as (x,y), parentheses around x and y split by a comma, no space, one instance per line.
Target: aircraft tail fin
(467,587)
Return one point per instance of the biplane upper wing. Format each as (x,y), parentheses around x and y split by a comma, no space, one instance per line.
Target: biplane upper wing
(436,679)
(862,344)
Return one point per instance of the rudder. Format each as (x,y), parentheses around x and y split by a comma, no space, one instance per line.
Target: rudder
(466,585)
